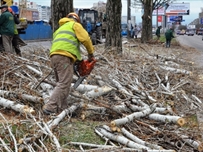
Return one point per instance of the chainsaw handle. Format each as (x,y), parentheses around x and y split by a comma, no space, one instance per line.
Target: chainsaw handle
(90,57)
(92,60)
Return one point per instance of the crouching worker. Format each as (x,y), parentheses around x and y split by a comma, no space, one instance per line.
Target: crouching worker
(63,53)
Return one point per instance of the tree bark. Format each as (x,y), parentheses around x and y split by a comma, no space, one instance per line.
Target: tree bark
(113,29)
(147,21)
(59,9)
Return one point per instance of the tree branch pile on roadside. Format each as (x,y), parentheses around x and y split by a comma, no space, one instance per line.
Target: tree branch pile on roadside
(146,96)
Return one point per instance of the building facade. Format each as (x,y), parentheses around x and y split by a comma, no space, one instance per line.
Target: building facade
(32,11)
(45,12)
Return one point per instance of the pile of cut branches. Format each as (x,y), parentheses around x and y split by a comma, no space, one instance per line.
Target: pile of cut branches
(146,96)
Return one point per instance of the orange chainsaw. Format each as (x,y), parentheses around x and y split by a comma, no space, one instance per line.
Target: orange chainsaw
(82,70)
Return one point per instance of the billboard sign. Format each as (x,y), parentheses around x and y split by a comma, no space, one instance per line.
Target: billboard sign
(176,18)
(178,9)
(201,21)
(159,18)
(160,12)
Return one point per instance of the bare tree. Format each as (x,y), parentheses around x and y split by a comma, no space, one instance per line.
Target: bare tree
(59,9)
(113,29)
(149,6)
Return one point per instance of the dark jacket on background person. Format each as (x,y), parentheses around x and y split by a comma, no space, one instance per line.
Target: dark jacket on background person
(158,31)
(169,34)
(7,23)
(16,36)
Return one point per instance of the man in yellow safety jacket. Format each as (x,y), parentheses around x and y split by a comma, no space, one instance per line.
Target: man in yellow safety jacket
(64,52)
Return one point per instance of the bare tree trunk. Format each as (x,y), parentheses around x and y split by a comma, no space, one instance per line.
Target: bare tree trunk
(147,21)
(113,29)
(59,9)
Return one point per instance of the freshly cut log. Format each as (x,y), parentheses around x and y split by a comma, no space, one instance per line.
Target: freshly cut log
(132,116)
(167,118)
(16,106)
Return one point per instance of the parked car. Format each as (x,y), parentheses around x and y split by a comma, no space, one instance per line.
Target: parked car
(200,32)
(190,32)
(182,32)
(178,32)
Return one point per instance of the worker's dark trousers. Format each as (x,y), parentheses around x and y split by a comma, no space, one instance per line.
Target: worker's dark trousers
(63,68)
(168,43)
(15,44)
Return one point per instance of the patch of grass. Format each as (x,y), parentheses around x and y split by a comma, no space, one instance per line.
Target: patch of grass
(191,121)
(162,38)
(79,131)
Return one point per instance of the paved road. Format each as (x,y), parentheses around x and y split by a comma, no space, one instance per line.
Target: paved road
(191,41)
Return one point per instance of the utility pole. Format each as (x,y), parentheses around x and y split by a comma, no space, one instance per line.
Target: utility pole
(129,17)
(157,14)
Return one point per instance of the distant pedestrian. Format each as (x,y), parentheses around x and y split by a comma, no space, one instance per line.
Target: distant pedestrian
(132,31)
(158,32)
(169,36)
(136,31)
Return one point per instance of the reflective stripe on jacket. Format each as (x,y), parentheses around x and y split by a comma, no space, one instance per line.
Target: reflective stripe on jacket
(15,29)
(64,39)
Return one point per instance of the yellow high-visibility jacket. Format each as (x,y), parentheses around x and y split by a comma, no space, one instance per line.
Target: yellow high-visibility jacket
(67,37)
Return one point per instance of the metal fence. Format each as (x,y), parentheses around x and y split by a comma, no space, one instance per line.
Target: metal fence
(38,30)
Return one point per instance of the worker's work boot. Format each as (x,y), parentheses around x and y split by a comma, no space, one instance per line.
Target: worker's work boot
(46,111)
(19,54)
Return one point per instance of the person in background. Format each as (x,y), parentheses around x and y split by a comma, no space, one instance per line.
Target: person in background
(64,53)
(158,32)
(132,31)
(169,36)
(136,31)
(16,36)
(6,28)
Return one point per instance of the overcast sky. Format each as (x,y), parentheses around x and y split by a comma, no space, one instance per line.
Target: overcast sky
(195,8)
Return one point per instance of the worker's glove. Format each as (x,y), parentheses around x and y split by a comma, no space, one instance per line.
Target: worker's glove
(90,57)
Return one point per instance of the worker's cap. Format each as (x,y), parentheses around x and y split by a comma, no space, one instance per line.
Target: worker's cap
(3,6)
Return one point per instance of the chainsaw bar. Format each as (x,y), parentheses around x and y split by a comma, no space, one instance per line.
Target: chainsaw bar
(78,82)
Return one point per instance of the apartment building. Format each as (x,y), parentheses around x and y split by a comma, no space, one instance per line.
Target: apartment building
(44,12)
(32,11)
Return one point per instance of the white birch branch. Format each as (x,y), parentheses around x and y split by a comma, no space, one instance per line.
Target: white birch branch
(121,139)
(98,92)
(59,149)
(5,145)
(16,106)
(132,116)
(90,145)
(193,143)
(139,141)
(82,88)
(23,96)
(167,118)
(119,86)
(34,70)
(57,120)
(174,70)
